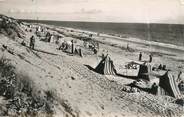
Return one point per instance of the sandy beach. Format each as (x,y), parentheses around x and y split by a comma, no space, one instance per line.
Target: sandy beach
(81,92)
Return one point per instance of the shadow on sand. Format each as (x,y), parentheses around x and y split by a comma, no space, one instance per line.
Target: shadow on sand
(90,68)
(128,77)
(148,90)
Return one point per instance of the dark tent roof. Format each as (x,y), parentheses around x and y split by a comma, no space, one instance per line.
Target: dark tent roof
(168,85)
(106,66)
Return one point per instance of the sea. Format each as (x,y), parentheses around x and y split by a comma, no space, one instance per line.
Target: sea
(164,33)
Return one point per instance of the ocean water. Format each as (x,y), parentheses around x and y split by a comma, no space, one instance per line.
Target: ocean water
(165,33)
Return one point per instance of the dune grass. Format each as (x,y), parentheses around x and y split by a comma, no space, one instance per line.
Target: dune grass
(23,98)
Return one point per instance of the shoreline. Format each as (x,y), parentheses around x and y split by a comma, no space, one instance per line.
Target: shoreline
(119,42)
(135,43)
(151,43)
(86,29)
(128,39)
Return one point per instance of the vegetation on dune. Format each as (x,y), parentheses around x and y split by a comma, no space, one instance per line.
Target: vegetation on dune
(11,27)
(19,91)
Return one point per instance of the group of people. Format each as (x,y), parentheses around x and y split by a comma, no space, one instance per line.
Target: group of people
(64,46)
(67,45)
(136,88)
(70,47)
(91,46)
(48,37)
(150,57)
(160,67)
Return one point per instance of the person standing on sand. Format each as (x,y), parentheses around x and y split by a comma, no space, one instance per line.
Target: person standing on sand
(48,36)
(179,76)
(72,46)
(150,58)
(32,42)
(95,51)
(140,56)
(23,43)
(103,54)
(128,46)
(154,88)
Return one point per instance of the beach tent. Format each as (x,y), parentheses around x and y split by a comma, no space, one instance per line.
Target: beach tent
(106,66)
(168,85)
(52,39)
(144,71)
(78,51)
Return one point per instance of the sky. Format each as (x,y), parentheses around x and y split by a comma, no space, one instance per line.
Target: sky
(140,11)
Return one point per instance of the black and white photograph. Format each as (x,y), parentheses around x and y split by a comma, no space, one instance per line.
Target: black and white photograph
(92,58)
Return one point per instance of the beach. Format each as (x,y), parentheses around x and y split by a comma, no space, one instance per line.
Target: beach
(78,90)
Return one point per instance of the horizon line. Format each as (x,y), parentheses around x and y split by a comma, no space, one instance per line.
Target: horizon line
(102,21)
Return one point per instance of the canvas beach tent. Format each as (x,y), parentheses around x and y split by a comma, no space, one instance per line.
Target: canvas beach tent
(106,66)
(78,51)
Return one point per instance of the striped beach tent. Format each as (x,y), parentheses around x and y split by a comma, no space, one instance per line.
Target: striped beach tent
(168,85)
(106,66)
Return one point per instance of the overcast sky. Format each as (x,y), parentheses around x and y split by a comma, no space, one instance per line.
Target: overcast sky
(157,11)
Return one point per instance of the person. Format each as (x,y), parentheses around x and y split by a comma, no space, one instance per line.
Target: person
(32,42)
(160,67)
(90,35)
(128,47)
(154,88)
(179,76)
(95,51)
(63,46)
(48,35)
(80,52)
(23,43)
(150,58)
(164,67)
(72,46)
(140,56)
(103,55)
